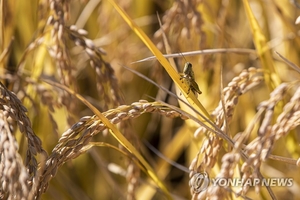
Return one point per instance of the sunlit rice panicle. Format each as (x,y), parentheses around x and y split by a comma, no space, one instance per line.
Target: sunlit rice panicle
(107,84)
(72,142)
(239,85)
(289,118)
(16,178)
(58,50)
(259,149)
(212,144)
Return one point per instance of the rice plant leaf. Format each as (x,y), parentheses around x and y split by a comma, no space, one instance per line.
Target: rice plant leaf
(271,77)
(164,62)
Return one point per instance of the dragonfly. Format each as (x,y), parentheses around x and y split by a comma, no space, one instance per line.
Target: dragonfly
(189,77)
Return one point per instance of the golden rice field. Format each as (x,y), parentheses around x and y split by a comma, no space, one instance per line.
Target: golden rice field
(98,99)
